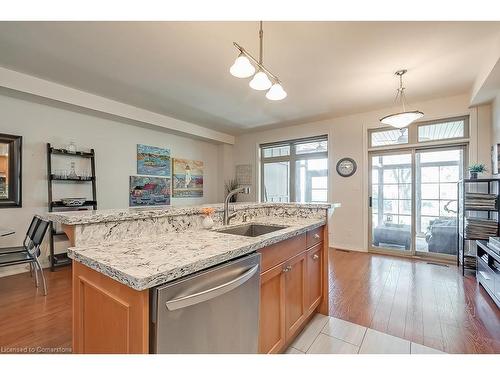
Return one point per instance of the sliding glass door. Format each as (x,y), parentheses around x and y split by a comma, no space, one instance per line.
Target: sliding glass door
(413,200)
(391,201)
(437,172)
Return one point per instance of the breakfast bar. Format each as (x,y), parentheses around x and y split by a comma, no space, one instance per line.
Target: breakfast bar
(120,257)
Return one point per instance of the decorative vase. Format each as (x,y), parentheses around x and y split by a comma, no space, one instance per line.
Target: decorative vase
(207,222)
(72,172)
(473,175)
(71,148)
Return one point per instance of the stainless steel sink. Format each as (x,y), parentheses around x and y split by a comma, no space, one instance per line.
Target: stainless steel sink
(251,230)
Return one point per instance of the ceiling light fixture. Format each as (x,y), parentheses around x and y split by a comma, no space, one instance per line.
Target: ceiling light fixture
(242,67)
(404,118)
(245,66)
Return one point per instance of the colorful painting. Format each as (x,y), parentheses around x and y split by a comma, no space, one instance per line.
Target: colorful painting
(187,178)
(149,191)
(153,161)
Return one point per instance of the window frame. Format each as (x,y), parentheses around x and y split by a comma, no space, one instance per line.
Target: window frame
(14,186)
(450,119)
(292,158)
(413,133)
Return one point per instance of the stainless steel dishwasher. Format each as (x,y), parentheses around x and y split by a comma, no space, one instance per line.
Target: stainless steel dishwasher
(214,311)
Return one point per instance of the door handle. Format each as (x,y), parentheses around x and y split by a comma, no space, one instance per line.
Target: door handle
(369,201)
(205,295)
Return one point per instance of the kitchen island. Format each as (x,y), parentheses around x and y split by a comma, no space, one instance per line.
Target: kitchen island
(119,256)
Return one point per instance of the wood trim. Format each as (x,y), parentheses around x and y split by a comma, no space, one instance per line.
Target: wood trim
(108,317)
(324,307)
(70,232)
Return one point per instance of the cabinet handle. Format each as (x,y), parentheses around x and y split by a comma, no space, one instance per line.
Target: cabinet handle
(315,257)
(287,268)
(316,236)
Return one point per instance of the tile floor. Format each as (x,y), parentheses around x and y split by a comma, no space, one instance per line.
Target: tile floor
(329,335)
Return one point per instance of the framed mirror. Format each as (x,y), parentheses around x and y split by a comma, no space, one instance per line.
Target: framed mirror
(10,171)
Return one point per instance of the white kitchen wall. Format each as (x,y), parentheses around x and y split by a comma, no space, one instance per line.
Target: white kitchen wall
(40,121)
(348,138)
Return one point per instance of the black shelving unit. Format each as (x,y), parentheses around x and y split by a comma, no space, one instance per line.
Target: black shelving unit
(465,257)
(57,260)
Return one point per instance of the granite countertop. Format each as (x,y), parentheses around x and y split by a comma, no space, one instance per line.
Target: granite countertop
(100,216)
(144,264)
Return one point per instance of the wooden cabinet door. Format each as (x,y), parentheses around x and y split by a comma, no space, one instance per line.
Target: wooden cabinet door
(314,276)
(295,293)
(272,310)
(108,316)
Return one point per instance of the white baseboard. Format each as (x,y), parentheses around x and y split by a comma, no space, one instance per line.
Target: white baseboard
(348,247)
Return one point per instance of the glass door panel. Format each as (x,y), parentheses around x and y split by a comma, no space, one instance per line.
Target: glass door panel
(437,172)
(391,201)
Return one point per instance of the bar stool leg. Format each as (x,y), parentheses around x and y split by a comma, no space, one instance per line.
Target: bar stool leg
(43,277)
(36,275)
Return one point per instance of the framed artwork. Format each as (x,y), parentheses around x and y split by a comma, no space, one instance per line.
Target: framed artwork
(10,170)
(187,179)
(153,161)
(149,191)
(244,174)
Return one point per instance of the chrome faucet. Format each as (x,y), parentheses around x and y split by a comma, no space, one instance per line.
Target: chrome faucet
(227,216)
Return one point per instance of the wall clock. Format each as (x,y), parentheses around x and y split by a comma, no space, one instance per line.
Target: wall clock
(346,167)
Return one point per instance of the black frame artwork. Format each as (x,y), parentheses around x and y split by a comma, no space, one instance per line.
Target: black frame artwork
(14,196)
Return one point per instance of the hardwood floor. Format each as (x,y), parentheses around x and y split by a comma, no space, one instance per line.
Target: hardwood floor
(31,321)
(428,304)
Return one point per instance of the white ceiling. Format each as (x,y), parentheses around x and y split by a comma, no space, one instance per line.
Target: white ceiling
(180,69)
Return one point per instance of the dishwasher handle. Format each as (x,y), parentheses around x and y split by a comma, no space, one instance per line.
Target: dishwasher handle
(205,295)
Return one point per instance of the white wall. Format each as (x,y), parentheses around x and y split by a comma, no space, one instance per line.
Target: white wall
(348,138)
(495,123)
(39,122)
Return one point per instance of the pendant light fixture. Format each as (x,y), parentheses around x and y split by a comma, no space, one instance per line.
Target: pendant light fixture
(404,118)
(246,66)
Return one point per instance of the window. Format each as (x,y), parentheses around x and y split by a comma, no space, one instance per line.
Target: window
(389,137)
(295,171)
(10,170)
(421,132)
(442,130)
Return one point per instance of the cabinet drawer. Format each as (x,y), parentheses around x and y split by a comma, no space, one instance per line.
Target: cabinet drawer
(281,251)
(314,236)
(485,275)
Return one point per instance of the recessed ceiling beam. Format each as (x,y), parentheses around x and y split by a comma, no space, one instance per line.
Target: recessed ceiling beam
(51,90)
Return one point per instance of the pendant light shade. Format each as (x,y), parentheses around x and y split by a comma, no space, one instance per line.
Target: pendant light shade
(245,66)
(242,67)
(404,118)
(260,81)
(401,120)
(276,92)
